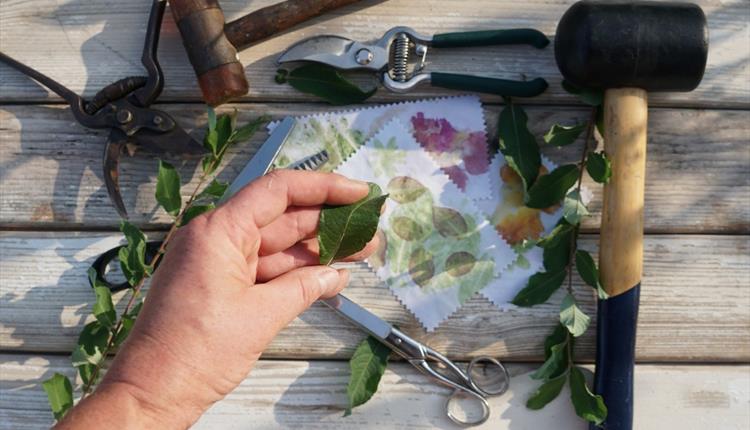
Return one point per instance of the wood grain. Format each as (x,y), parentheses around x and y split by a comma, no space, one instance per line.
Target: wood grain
(86,44)
(50,167)
(694,304)
(311,395)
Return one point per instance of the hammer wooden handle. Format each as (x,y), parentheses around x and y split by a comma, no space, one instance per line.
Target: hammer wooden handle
(621,252)
(276,18)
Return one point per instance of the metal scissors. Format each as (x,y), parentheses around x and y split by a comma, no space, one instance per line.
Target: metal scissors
(123,107)
(399,57)
(484,377)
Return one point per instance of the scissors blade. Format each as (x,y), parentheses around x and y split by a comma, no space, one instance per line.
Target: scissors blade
(360,316)
(263,158)
(335,51)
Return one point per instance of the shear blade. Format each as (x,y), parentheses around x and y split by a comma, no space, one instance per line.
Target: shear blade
(112,151)
(335,51)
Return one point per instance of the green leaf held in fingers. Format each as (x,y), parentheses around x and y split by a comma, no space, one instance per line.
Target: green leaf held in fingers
(549,189)
(325,82)
(599,167)
(572,317)
(563,135)
(546,392)
(573,208)
(368,365)
(344,230)
(588,271)
(168,188)
(539,288)
(194,211)
(59,394)
(518,145)
(588,406)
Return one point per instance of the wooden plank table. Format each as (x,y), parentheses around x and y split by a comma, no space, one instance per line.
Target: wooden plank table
(55,217)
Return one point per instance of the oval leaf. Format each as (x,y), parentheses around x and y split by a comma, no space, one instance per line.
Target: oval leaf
(344,230)
(449,222)
(546,393)
(555,365)
(589,273)
(404,189)
(168,188)
(406,228)
(213,191)
(599,167)
(460,263)
(368,365)
(549,189)
(562,135)
(59,394)
(573,208)
(421,267)
(327,83)
(518,145)
(556,254)
(540,287)
(572,317)
(588,406)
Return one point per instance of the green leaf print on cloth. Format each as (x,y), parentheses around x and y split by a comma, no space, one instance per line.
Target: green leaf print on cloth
(438,248)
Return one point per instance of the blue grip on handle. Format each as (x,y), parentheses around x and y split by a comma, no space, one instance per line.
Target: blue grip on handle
(617,318)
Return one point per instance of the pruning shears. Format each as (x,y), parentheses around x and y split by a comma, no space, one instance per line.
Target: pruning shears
(399,57)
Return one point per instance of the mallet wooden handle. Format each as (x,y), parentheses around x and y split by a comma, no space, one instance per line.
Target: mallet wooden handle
(621,251)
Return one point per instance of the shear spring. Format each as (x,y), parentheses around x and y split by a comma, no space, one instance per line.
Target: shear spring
(401,57)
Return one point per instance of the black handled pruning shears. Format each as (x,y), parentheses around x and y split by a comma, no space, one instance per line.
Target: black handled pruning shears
(123,107)
(399,58)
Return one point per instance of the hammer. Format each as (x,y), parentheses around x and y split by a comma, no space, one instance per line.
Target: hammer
(626,49)
(212,46)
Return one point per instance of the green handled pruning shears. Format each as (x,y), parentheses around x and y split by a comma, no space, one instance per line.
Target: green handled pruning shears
(399,58)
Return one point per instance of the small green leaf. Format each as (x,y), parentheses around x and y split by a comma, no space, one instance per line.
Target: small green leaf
(211,118)
(589,96)
(555,365)
(59,394)
(93,337)
(589,273)
(209,164)
(562,135)
(124,331)
(344,230)
(599,167)
(103,309)
(368,365)
(248,130)
(168,188)
(588,406)
(549,189)
(223,132)
(518,145)
(540,287)
(133,256)
(327,83)
(573,317)
(556,254)
(546,392)
(195,210)
(573,208)
(80,357)
(559,335)
(213,191)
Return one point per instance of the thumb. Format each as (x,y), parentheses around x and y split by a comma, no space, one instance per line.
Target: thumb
(293,292)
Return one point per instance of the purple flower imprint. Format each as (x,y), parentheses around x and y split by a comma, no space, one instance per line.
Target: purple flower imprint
(433,134)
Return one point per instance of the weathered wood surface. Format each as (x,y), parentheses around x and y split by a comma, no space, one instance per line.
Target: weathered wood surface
(87,44)
(695,304)
(312,395)
(50,167)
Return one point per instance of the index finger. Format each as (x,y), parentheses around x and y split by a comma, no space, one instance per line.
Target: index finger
(266,198)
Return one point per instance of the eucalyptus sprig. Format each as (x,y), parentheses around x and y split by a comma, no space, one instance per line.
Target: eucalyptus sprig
(107,332)
(560,247)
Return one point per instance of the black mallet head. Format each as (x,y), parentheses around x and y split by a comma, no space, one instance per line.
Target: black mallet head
(655,46)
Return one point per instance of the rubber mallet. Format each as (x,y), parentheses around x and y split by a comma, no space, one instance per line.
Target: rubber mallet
(628,50)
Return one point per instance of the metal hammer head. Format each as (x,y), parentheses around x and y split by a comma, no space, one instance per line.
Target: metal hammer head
(220,73)
(655,46)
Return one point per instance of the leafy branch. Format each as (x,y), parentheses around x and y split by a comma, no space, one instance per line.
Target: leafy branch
(107,332)
(560,246)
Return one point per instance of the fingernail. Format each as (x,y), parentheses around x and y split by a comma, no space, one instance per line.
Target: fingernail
(329,278)
(361,187)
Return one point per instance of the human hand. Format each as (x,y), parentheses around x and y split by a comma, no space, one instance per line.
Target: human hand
(229,282)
